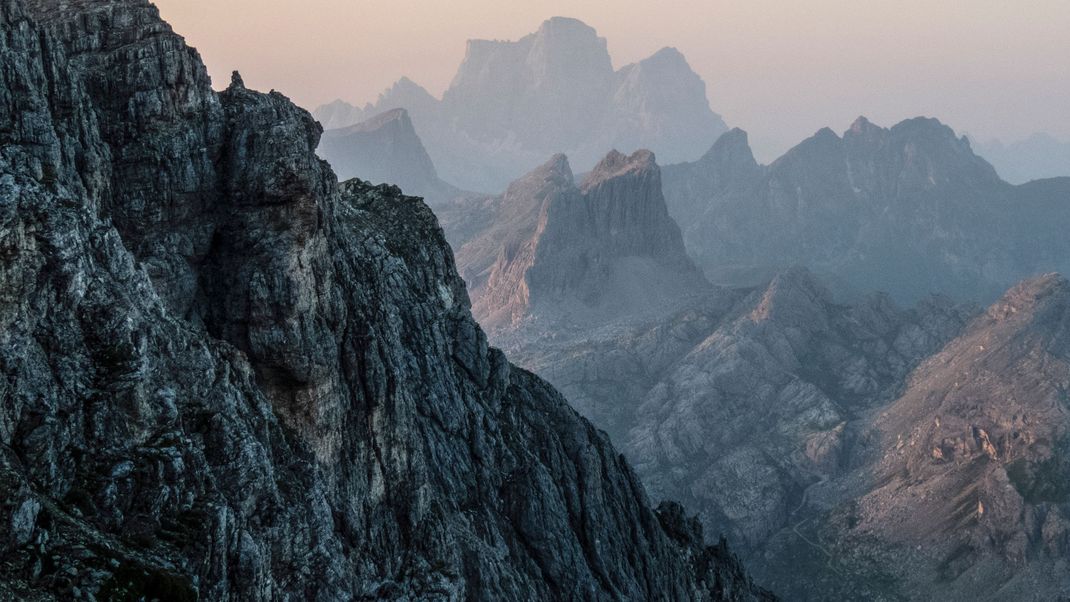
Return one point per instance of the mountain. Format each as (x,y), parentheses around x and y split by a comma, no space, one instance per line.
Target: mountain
(1037,157)
(853,451)
(555,251)
(511,104)
(386,149)
(910,210)
(228,376)
(963,478)
(405,93)
(339,114)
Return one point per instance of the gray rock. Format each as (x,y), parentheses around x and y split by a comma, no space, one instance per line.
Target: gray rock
(551,251)
(909,210)
(386,149)
(227,376)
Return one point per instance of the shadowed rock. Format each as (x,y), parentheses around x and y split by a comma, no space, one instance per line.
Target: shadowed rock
(228,376)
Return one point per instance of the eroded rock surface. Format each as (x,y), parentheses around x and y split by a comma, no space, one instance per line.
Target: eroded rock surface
(551,251)
(226,376)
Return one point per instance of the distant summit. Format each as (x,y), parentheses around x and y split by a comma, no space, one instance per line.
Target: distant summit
(513,103)
(386,150)
(909,209)
(1037,157)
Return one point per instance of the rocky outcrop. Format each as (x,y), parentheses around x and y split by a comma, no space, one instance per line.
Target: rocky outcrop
(590,253)
(514,103)
(386,149)
(910,210)
(226,376)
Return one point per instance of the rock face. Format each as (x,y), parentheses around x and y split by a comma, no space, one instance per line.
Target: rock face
(228,377)
(910,210)
(766,398)
(957,488)
(386,149)
(974,466)
(853,451)
(585,254)
(512,104)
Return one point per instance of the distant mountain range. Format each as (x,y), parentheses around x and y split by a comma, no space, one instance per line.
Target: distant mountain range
(853,449)
(910,210)
(512,104)
(1034,158)
(386,150)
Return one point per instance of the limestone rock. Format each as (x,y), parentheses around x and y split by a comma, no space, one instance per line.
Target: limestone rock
(227,376)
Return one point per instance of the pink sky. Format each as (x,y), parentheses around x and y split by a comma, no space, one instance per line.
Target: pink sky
(779,69)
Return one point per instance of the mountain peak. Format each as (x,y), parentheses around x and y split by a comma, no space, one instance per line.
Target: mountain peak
(382,119)
(863,127)
(385,149)
(544,182)
(668,55)
(732,147)
(565,25)
(793,296)
(617,164)
(556,171)
(605,250)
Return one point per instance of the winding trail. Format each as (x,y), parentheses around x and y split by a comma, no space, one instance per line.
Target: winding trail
(795,528)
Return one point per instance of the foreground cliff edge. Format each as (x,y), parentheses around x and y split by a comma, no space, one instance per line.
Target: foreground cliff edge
(226,376)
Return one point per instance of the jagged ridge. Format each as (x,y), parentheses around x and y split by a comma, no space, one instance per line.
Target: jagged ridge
(228,377)
(910,210)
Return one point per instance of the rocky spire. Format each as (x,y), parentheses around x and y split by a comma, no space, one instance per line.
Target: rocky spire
(607,244)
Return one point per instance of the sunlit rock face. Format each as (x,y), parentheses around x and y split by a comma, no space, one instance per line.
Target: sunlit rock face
(555,251)
(514,103)
(227,376)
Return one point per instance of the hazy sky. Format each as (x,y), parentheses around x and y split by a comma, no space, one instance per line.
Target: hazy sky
(779,69)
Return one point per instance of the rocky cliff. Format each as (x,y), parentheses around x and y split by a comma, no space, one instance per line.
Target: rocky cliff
(386,149)
(514,103)
(603,250)
(910,210)
(228,377)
